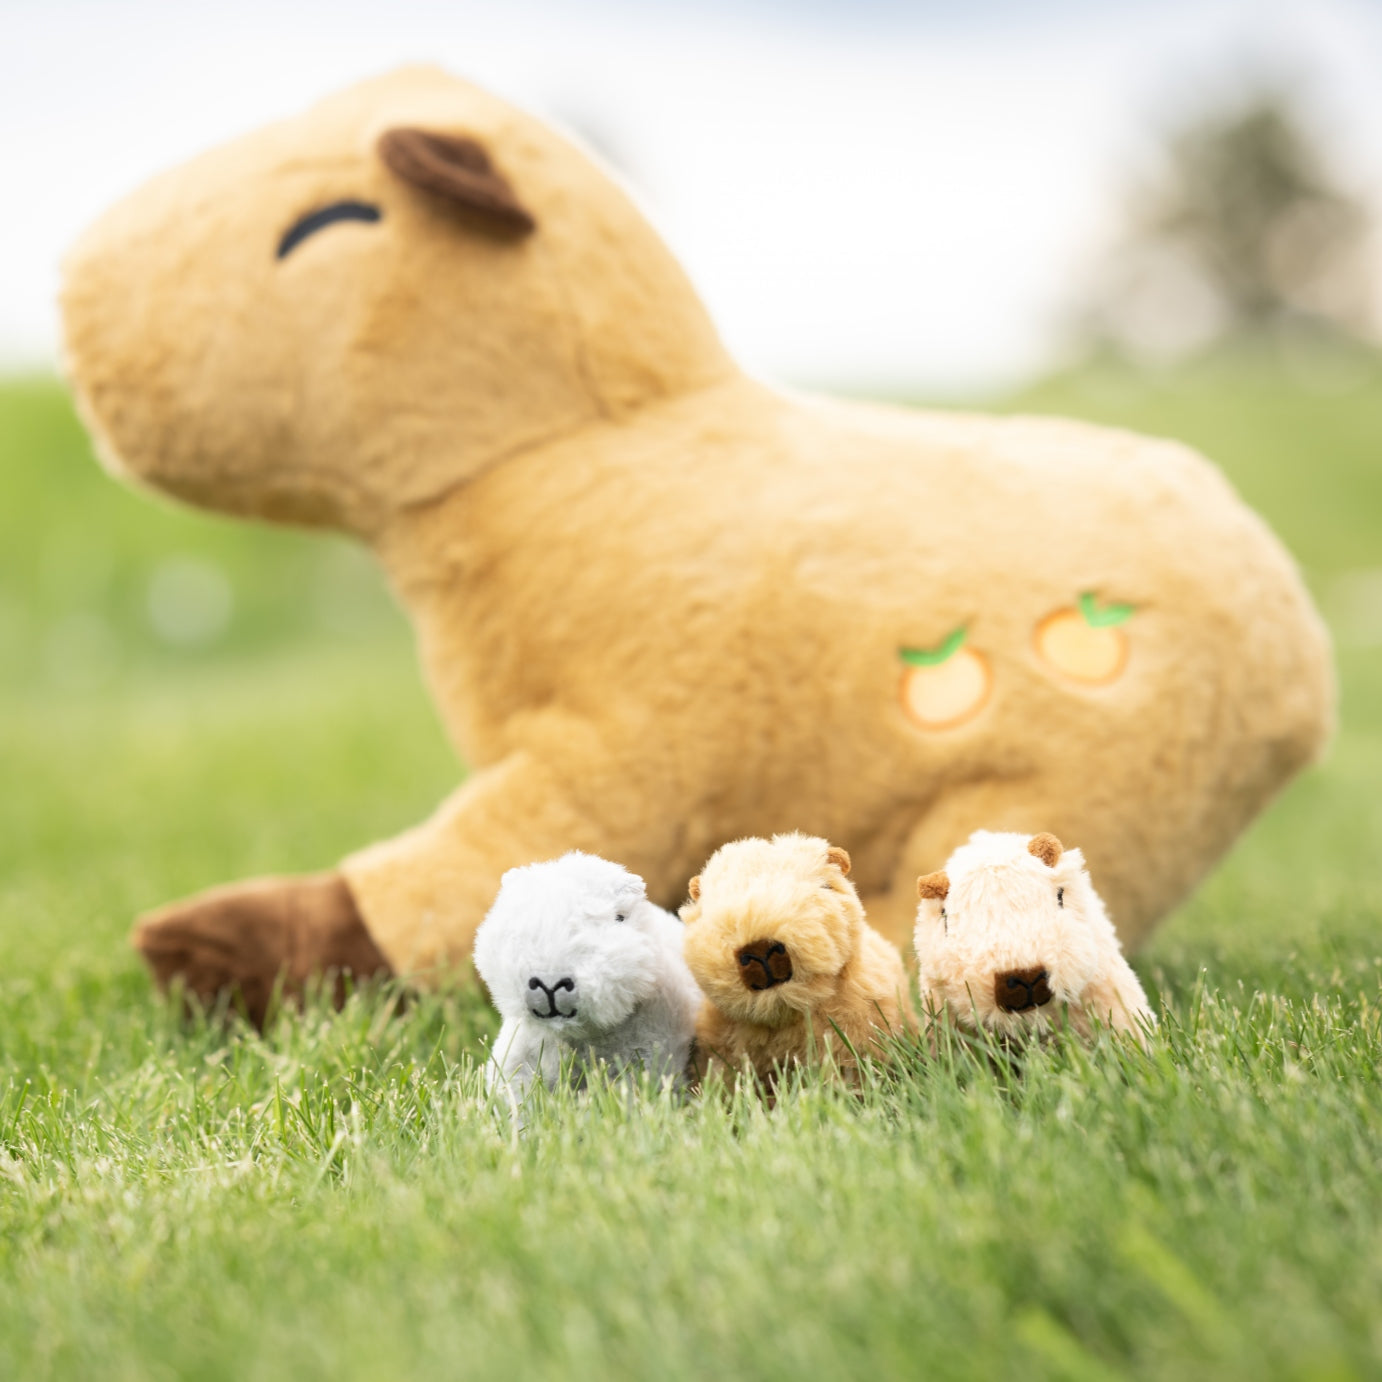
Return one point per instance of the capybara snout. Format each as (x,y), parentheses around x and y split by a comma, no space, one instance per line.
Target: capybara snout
(764,964)
(543,995)
(1020,990)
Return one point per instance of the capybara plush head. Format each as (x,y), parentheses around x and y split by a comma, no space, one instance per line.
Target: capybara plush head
(770,926)
(355,310)
(573,945)
(1012,937)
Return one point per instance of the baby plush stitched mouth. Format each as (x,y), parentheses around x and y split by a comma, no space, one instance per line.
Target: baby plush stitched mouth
(542,998)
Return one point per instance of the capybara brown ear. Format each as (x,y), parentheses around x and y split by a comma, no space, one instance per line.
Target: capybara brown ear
(935,886)
(1046,848)
(839,857)
(694,888)
(458,169)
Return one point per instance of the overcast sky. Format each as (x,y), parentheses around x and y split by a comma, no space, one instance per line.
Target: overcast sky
(869,194)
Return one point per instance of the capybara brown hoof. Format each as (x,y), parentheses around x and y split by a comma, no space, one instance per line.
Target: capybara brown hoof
(764,964)
(238,940)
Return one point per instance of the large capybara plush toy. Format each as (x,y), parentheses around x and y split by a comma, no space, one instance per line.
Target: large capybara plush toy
(660,604)
(791,971)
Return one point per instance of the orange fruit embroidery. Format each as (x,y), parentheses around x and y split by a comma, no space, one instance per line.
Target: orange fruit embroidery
(1086,643)
(945,686)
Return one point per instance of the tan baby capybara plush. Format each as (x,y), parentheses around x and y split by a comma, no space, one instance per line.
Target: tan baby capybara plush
(791,971)
(660,604)
(1012,938)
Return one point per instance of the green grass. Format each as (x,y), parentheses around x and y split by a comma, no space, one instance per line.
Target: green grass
(336,1200)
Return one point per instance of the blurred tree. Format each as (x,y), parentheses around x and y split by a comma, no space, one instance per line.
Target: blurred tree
(1242,231)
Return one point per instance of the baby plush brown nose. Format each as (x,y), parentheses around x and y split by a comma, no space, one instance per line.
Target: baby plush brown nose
(764,964)
(1018,990)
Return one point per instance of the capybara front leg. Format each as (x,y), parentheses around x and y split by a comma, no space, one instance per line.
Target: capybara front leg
(424,894)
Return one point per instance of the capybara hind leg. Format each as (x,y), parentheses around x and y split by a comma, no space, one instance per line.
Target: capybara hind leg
(241,939)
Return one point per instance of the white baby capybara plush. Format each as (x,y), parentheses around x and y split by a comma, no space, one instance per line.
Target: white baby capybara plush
(1011,937)
(791,970)
(584,970)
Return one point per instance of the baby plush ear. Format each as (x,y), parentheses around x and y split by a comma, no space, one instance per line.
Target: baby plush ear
(459,170)
(839,857)
(934,887)
(693,888)
(1046,848)
(631,892)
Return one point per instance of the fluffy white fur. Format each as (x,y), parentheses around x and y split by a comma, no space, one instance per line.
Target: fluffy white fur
(1007,910)
(584,970)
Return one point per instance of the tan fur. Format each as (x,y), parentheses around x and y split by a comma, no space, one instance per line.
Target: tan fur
(848,984)
(1046,848)
(660,605)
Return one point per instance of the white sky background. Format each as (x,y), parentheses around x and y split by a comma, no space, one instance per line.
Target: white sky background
(875,197)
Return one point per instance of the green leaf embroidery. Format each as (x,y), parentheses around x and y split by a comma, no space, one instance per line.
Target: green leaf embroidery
(1106,618)
(933,657)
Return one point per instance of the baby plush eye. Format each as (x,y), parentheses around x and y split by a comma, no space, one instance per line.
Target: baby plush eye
(619,916)
(322,217)
(1060,897)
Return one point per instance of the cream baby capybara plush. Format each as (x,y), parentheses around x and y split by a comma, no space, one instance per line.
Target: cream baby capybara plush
(585,971)
(1012,937)
(660,604)
(791,971)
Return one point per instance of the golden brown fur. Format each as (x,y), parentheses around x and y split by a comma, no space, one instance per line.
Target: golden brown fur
(847,985)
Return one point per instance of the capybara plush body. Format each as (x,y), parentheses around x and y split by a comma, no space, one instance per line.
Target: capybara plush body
(661,605)
(585,971)
(791,971)
(1012,937)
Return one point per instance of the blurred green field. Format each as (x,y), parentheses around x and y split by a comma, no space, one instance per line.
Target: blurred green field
(185,700)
